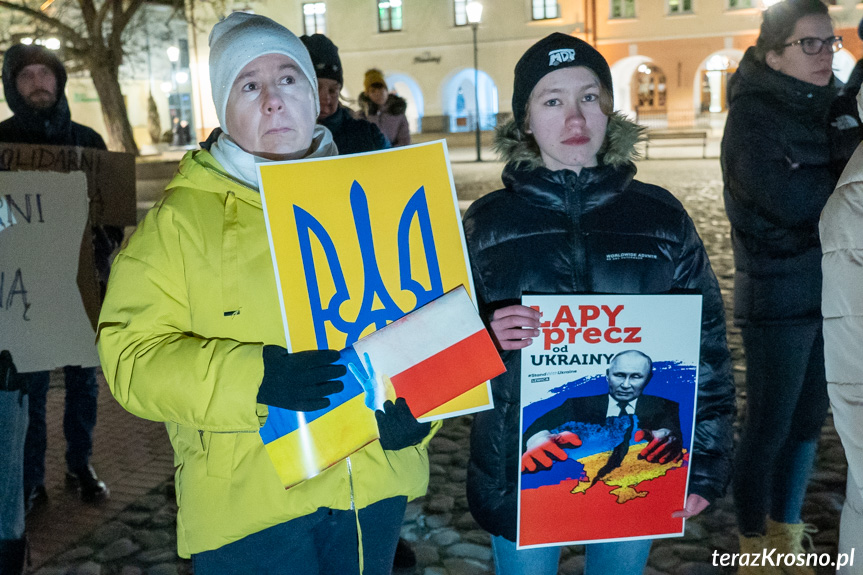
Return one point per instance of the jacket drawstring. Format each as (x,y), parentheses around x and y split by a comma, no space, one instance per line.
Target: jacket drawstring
(230,258)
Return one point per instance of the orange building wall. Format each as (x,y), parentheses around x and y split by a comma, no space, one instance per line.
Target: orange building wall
(680,60)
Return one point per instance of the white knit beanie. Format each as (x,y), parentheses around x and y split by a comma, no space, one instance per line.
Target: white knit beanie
(239,39)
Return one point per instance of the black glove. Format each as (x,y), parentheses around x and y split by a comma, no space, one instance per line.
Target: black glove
(398,426)
(8,373)
(300,381)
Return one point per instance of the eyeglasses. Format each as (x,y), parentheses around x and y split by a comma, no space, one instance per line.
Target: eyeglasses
(813,46)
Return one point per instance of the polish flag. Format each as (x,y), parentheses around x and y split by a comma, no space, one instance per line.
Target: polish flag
(435,353)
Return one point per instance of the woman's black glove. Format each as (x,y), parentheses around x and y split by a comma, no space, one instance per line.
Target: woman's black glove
(398,427)
(300,381)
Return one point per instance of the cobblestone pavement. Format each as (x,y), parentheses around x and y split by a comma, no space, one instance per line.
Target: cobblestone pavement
(139,539)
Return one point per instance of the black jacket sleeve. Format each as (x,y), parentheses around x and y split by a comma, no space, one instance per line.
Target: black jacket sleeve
(710,461)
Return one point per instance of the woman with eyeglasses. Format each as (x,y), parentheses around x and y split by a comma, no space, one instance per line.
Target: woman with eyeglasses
(776,165)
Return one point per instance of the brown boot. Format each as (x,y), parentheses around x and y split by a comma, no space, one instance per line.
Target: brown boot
(753,547)
(788,538)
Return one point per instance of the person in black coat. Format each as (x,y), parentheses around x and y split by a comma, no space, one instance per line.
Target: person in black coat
(34,81)
(778,173)
(41,115)
(351,135)
(572,219)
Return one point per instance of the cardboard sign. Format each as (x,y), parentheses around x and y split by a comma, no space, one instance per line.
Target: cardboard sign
(608,395)
(43,322)
(110,178)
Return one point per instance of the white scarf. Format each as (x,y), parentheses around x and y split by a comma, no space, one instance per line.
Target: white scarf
(242,166)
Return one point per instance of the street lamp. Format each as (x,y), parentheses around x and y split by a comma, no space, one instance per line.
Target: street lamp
(474,15)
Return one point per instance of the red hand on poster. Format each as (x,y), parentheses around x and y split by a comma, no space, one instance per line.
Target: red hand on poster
(663,447)
(542,456)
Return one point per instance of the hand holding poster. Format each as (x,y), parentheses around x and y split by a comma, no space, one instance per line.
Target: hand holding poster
(608,405)
(429,356)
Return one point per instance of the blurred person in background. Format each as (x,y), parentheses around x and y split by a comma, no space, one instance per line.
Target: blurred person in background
(384,109)
(779,169)
(34,81)
(351,135)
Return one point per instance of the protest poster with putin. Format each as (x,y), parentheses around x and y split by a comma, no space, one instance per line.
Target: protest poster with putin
(608,393)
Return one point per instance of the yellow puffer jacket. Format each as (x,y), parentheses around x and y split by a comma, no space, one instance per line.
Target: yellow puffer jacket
(190,304)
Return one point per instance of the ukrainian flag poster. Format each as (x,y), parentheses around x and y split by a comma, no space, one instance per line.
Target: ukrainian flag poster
(358,242)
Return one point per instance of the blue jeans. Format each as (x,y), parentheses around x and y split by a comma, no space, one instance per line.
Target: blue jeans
(320,543)
(786,403)
(79,419)
(13,427)
(615,558)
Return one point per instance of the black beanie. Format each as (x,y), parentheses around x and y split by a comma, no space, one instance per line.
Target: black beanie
(553,52)
(325,57)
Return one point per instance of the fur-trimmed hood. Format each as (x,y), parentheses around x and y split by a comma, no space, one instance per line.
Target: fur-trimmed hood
(395,105)
(619,149)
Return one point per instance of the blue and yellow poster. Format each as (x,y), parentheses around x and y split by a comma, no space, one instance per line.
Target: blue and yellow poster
(358,242)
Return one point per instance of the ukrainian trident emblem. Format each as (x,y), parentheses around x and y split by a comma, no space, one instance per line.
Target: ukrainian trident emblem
(378,307)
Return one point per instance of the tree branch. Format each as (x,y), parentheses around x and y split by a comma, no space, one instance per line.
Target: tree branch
(123,19)
(88,14)
(66,31)
(103,11)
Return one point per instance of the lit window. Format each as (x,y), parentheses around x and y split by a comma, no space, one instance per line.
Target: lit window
(739,4)
(623,8)
(545,9)
(460,12)
(679,6)
(314,21)
(389,15)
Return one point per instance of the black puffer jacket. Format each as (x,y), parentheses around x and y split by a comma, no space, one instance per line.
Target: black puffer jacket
(49,127)
(776,166)
(556,232)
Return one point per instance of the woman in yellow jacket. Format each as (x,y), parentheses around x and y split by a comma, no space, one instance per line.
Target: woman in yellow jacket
(191,334)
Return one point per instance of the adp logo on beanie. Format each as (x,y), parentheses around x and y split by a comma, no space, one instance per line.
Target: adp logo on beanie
(554,52)
(556,57)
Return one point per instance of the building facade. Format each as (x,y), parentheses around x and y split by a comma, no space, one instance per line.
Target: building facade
(148,74)
(670,59)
